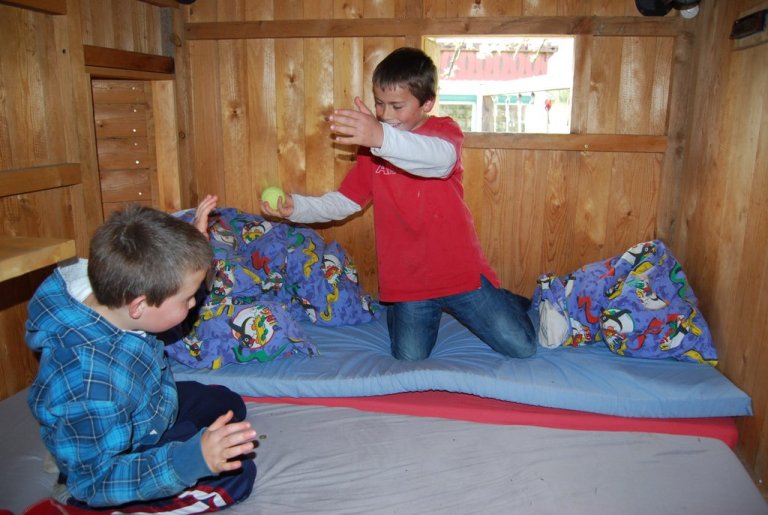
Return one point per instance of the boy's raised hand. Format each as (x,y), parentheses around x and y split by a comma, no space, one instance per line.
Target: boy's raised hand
(359,127)
(204,209)
(223,441)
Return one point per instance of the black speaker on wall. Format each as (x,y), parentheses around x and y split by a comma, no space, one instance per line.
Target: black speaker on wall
(687,8)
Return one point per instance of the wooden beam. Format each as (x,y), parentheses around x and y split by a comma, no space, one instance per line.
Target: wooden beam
(388,27)
(101,57)
(27,180)
(569,142)
(97,72)
(43,6)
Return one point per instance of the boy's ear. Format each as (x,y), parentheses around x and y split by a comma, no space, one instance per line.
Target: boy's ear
(428,105)
(136,307)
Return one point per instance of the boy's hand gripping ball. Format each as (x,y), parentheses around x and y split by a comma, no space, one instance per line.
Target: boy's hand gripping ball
(271,195)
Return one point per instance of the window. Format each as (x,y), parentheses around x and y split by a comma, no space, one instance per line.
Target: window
(505,84)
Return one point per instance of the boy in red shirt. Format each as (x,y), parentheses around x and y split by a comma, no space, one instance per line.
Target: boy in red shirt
(429,257)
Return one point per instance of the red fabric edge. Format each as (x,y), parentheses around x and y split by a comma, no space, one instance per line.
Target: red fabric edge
(462,406)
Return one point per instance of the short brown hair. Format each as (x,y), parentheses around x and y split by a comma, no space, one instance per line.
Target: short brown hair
(409,67)
(143,251)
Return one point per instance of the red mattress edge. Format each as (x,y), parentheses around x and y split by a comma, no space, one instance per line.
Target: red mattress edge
(462,406)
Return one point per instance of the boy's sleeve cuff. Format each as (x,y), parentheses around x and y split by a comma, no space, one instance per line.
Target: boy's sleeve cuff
(188,461)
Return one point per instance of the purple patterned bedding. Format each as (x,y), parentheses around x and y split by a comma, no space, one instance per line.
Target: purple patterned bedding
(267,277)
(639,303)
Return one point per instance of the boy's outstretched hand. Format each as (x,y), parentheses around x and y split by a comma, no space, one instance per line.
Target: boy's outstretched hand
(223,441)
(284,207)
(359,127)
(204,209)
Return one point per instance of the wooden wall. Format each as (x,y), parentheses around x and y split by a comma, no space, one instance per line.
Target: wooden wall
(49,177)
(669,138)
(258,106)
(42,195)
(723,219)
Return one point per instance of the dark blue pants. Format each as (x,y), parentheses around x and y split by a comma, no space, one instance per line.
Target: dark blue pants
(199,406)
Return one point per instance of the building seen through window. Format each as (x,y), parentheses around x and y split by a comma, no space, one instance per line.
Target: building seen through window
(504,84)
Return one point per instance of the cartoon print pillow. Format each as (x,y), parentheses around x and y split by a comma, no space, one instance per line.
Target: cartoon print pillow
(639,303)
(329,293)
(240,331)
(259,263)
(295,266)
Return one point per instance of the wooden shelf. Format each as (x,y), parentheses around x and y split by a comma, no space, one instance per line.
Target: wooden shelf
(28,180)
(19,255)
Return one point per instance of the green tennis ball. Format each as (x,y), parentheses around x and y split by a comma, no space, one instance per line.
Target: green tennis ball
(271,195)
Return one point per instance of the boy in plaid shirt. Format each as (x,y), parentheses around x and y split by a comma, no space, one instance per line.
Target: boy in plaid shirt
(121,430)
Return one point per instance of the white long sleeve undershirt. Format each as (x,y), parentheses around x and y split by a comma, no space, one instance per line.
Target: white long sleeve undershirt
(331,206)
(424,156)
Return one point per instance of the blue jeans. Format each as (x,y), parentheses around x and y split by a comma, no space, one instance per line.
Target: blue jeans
(497,316)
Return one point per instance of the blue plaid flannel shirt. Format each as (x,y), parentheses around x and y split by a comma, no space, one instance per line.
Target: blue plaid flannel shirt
(101,396)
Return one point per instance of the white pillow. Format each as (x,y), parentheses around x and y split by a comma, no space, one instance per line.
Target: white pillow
(554,328)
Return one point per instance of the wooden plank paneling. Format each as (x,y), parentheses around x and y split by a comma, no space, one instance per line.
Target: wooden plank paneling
(205,128)
(542,211)
(40,163)
(741,268)
(634,198)
(561,200)
(18,364)
(28,136)
(643,96)
(121,120)
(591,215)
(318,106)
(125,141)
(540,8)
(290,94)
(262,83)
(604,88)
(234,109)
(117,92)
(722,230)
(123,153)
(132,25)
(126,185)
(294,165)
(474,162)
(86,198)
(43,213)
(166,147)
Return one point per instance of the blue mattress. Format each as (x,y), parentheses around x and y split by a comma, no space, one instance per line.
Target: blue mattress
(355,361)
